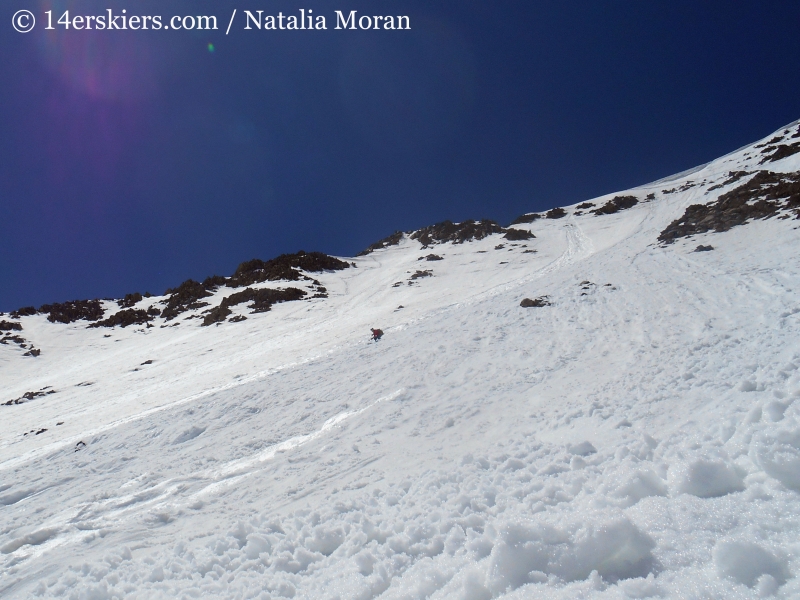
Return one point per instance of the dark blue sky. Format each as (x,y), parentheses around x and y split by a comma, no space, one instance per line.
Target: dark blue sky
(131,161)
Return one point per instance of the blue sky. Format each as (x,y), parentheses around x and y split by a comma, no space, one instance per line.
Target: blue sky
(131,161)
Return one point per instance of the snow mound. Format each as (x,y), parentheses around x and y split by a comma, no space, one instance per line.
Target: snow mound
(706,478)
(613,548)
(778,453)
(748,563)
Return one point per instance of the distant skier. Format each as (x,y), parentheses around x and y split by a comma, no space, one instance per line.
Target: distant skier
(376,334)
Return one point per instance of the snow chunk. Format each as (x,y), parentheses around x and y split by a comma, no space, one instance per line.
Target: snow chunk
(325,541)
(775,410)
(256,544)
(583,449)
(747,562)
(747,386)
(778,453)
(766,586)
(641,484)
(615,548)
(707,478)
(642,588)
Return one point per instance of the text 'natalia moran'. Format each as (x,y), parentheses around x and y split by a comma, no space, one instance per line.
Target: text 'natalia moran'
(306,19)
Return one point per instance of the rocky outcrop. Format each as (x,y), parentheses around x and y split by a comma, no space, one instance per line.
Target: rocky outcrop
(765,195)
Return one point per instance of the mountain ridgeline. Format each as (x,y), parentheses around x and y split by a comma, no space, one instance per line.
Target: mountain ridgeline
(749,193)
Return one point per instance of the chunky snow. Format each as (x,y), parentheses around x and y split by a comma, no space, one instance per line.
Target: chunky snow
(637,438)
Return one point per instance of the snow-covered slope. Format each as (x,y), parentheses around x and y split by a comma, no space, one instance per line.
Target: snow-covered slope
(637,436)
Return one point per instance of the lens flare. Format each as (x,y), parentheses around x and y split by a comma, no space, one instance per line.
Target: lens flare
(102,65)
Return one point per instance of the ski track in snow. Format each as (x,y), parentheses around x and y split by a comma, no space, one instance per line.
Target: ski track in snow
(639,438)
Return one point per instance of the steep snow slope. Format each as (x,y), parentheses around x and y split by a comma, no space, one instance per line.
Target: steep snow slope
(638,437)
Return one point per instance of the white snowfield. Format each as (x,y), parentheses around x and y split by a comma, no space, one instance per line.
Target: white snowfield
(637,438)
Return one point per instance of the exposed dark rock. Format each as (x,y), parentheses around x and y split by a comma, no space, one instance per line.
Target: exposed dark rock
(499,247)
(430,257)
(124,318)
(585,205)
(25,311)
(392,240)
(27,396)
(535,302)
(782,151)
(262,301)
(457,233)
(9,326)
(733,177)
(185,297)
(555,213)
(238,319)
(702,248)
(526,218)
(762,197)
(774,140)
(76,310)
(216,315)
(285,267)
(214,282)
(33,352)
(130,300)
(257,271)
(14,339)
(650,197)
(420,274)
(518,235)
(188,295)
(616,204)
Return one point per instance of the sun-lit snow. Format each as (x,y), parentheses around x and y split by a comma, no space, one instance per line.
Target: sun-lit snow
(638,438)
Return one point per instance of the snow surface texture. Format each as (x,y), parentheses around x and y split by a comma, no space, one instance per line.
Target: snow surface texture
(637,438)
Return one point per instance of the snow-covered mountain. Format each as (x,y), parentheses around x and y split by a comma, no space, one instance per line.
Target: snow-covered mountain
(629,431)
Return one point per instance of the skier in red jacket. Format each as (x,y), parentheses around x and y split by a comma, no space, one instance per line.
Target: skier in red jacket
(376,334)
